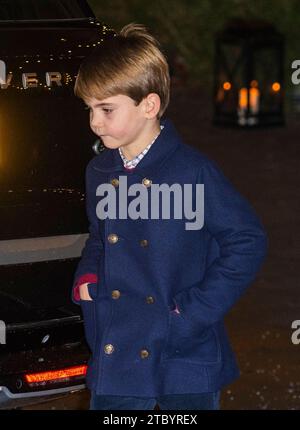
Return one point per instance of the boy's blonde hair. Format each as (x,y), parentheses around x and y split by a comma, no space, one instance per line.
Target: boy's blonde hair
(129,63)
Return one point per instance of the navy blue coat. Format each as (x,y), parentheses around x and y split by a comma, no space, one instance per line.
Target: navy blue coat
(140,268)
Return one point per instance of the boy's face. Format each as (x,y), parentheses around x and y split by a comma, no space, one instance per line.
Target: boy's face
(117,120)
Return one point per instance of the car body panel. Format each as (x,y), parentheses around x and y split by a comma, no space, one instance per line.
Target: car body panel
(45,145)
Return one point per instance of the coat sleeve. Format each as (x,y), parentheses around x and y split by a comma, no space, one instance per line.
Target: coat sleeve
(242,241)
(88,266)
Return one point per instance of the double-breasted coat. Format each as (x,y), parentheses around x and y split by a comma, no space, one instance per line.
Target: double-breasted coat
(139,269)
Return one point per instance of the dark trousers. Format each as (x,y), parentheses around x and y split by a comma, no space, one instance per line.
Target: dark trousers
(202,401)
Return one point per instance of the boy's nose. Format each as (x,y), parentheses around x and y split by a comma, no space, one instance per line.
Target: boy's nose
(96,124)
(96,121)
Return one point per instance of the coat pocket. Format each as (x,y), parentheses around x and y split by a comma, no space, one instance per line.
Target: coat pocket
(89,320)
(92,289)
(188,342)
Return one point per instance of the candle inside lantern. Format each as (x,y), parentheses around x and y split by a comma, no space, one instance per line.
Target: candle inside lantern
(243,98)
(254,96)
(243,103)
(254,100)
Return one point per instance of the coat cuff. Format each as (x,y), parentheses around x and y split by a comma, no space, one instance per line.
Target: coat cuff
(83,279)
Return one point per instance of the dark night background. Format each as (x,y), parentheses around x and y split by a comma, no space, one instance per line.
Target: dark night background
(263,164)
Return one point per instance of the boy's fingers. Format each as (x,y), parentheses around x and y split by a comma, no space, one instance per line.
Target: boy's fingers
(84,292)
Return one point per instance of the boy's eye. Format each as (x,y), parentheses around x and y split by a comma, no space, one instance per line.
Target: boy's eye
(106,110)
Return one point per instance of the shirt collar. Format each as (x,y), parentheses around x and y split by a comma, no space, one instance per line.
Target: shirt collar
(131,164)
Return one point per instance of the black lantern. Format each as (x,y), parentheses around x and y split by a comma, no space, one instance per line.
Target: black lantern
(248,82)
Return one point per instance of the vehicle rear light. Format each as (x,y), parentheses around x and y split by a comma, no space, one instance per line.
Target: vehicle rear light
(56,375)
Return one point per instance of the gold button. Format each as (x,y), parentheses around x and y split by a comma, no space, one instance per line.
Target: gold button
(144,353)
(144,243)
(116,294)
(150,300)
(115,182)
(147,182)
(113,238)
(109,349)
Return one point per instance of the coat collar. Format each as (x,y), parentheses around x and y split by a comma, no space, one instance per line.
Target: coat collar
(166,143)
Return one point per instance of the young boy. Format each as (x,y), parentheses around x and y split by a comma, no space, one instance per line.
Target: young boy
(154,289)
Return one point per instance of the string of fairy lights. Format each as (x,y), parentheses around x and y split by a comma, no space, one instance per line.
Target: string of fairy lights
(65,79)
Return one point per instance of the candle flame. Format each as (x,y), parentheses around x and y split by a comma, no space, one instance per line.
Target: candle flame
(227,86)
(276,87)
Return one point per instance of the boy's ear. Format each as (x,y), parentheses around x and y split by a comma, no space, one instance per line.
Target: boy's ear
(151,105)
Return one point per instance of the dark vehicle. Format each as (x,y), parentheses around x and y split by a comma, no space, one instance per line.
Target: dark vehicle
(45,145)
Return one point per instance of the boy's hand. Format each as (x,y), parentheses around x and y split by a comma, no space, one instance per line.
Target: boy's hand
(84,292)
